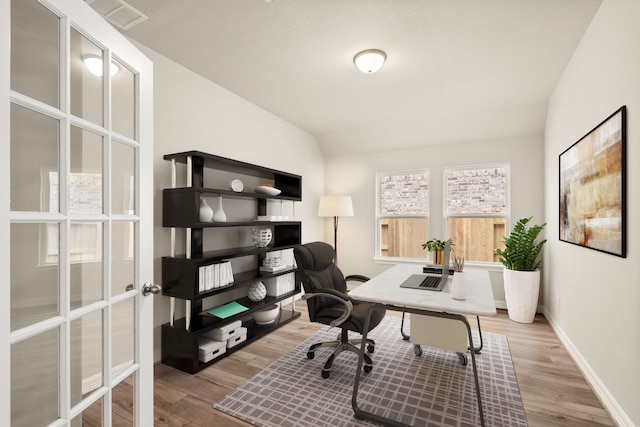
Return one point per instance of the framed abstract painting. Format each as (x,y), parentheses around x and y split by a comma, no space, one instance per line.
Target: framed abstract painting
(593,188)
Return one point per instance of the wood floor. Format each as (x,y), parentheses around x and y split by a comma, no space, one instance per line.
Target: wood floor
(553,390)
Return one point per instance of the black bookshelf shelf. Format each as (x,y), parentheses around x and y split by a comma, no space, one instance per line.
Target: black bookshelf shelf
(181,274)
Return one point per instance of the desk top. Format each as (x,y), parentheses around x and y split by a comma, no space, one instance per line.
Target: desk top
(385,289)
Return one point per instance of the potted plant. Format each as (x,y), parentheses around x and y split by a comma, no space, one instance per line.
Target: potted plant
(437,247)
(522,269)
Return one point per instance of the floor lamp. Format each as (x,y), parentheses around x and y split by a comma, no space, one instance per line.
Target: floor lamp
(335,206)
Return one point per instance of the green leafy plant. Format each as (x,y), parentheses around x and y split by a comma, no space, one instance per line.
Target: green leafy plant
(434,245)
(437,247)
(520,248)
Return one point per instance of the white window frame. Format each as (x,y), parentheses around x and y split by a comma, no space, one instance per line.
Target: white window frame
(81,183)
(507,211)
(377,256)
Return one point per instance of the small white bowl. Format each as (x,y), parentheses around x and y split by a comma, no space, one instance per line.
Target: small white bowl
(270,191)
(267,315)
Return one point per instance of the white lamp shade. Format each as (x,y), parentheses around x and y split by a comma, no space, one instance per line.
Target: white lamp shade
(335,206)
(370,61)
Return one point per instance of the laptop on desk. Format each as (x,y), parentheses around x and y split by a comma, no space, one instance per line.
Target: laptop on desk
(431,281)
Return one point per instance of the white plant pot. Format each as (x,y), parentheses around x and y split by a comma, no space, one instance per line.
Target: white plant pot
(458,286)
(521,289)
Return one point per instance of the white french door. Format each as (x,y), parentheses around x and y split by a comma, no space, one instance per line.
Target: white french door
(76,219)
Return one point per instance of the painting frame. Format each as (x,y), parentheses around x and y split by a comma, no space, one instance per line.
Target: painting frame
(592,188)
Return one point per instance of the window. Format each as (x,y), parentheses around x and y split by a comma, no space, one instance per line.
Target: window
(85,238)
(402,213)
(477,209)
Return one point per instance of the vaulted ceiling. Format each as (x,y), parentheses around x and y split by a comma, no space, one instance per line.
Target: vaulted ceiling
(456,70)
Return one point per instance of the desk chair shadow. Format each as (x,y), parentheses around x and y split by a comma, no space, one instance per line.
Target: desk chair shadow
(325,290)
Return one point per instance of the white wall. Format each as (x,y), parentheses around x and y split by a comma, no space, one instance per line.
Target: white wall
(602,333)
(192,113)
(591,298)
(356,176)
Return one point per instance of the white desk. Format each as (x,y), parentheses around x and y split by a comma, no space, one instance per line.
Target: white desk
(385,289)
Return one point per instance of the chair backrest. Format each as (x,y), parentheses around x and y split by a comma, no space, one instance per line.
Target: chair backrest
(316,270)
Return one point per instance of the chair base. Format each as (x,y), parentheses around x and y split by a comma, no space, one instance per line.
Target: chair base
(343,344)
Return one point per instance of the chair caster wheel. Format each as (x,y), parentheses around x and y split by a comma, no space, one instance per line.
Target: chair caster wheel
(325,374)
(368,368)
(462,358)
(417,350)
(310,355)
(370,348)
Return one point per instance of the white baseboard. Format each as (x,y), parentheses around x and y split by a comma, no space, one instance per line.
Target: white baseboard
(95,381)
(91,383)
(608,401)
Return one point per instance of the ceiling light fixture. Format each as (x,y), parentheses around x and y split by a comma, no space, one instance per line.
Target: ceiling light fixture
(94,64)
(370,60)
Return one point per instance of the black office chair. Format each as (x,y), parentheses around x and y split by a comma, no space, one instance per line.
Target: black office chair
(327,300)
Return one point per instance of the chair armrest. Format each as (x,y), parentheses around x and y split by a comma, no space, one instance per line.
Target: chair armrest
(328,291)
(338,296)
(356,278)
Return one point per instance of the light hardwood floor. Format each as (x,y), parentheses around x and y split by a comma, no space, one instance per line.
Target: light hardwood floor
(553,390)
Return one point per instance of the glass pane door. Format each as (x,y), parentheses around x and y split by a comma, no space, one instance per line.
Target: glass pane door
(78,144)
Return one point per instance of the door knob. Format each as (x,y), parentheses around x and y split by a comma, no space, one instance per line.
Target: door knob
(149,288)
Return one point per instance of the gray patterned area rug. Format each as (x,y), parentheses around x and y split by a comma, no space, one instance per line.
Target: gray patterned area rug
(433,389)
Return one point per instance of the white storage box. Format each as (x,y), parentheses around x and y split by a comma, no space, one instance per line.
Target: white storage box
(448,334)
(280,285)
(224,332)
(209,349)
(237,338)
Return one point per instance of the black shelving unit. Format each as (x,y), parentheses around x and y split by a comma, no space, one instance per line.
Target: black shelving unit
(180,273)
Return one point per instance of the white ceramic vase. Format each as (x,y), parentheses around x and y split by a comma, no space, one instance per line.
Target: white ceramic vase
(219,215)
(521,290)
(257,291)
(206,213)
(458,286)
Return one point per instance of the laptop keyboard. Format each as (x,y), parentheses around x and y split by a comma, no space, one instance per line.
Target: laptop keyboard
(430,282)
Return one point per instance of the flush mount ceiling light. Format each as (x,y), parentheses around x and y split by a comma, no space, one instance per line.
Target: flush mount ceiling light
(370,60)
(94,64)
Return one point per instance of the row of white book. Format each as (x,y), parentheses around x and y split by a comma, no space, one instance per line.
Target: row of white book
(280,285)
(214,276)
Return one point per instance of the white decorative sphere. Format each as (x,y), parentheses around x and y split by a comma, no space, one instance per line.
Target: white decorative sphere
(261,236)
(257,292)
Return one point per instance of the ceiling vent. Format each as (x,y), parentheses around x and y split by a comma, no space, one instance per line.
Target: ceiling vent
(119,13)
